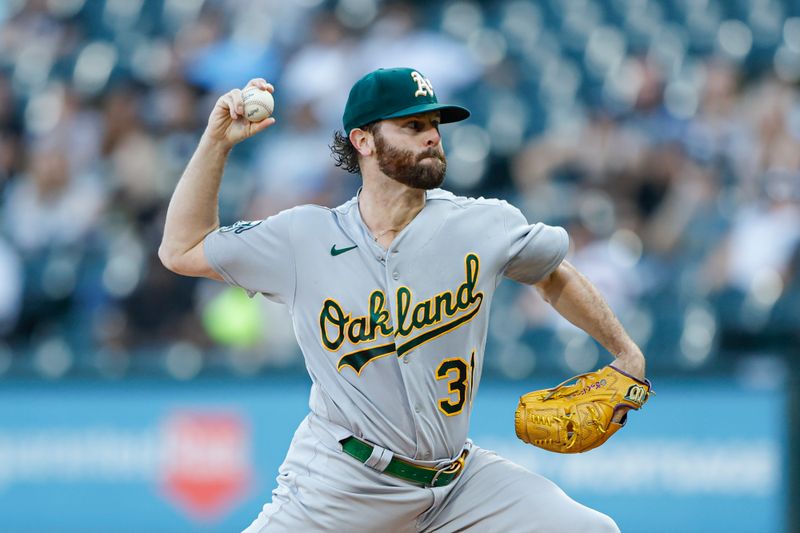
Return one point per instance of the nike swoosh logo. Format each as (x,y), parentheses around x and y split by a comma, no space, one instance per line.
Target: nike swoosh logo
(335,252)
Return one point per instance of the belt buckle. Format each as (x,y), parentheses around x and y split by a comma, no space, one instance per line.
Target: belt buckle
(453,468)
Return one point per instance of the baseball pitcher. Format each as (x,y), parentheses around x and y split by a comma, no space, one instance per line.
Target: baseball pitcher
(389,295)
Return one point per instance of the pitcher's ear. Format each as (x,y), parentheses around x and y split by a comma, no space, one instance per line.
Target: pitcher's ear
(363,140)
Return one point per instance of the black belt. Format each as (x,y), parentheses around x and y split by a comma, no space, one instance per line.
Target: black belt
(429,477)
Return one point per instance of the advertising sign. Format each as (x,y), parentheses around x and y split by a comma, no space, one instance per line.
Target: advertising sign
(203,457)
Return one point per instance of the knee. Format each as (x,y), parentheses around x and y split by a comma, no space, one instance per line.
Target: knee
(584,519)
(600,523)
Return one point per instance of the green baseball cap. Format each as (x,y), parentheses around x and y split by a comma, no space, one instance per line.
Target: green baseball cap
(392,93)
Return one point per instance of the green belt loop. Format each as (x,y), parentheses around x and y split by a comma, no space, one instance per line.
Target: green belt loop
(429,477)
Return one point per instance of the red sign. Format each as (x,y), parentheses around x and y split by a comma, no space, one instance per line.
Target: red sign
(207,461)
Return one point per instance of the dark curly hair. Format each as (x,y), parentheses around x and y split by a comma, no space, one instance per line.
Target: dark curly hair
(344,153)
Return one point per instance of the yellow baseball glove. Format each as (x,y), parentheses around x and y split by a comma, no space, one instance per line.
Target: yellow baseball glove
(577,417)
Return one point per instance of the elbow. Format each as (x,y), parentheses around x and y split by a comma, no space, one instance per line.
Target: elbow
(551,286)
(543,288)
(186,262)
(169,258)
(543,283)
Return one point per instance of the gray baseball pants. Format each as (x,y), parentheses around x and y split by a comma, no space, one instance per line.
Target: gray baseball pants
(320,488)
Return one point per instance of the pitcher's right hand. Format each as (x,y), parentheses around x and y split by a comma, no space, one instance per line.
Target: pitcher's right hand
(227,123)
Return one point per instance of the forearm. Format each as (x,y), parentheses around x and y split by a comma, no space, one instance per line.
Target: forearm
(193,211)
(577,300)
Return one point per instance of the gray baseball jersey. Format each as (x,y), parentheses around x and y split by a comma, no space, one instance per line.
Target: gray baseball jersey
(393,339)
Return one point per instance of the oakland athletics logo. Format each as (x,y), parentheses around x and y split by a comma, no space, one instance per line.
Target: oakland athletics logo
(424,87)
(241,226)
(446,311)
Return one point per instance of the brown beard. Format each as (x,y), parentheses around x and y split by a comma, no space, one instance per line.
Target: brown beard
(404,166)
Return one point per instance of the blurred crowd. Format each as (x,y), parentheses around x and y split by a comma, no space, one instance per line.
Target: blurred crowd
(664,135)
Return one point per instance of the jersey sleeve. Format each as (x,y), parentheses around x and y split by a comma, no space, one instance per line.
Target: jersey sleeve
(257,256)
(534,250)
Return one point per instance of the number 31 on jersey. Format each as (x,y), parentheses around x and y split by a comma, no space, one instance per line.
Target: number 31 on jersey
(460,375)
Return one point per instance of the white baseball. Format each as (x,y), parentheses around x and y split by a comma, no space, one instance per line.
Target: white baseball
(258,104)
